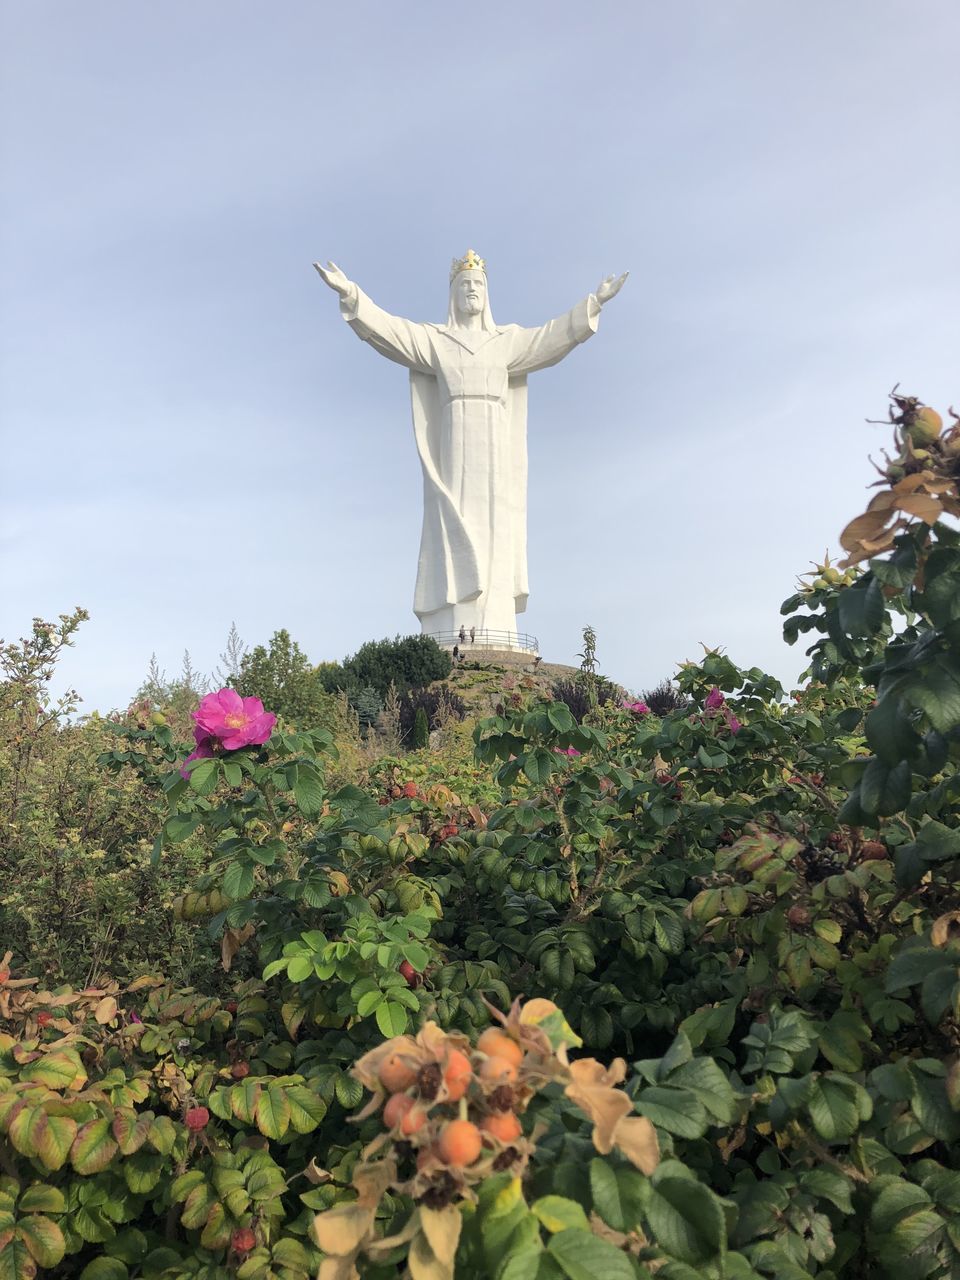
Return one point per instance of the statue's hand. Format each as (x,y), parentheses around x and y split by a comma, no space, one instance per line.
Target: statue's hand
(334,277)
(610,287)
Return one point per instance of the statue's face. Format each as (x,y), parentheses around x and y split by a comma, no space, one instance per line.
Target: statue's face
(470,293)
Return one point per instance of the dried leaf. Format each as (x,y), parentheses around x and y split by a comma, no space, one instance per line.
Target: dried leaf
(338,1269)
(342,1229)
(106,1010)
(592,1089)
(442,1229)
(232,941)
(636,1138)
(424,1263)
(313,1173)
(928,509)
(866,526)
(942,930)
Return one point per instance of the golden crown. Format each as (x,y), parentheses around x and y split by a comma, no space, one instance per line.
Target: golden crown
(471,261)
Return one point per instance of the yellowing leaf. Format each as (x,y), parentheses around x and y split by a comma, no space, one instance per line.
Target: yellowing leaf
(273,1113)
(93,1148)
(442,1229)
(43,1238)
(341,1230)
(53,1145)
(106,1010)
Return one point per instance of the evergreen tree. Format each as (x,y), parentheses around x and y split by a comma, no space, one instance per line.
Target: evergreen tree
(421,729)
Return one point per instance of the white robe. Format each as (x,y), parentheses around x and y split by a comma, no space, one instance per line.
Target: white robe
(469,398)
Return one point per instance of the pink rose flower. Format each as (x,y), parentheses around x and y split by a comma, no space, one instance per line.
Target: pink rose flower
(714,700)
(234,721)
(570,751)
(733,724)
(638,707)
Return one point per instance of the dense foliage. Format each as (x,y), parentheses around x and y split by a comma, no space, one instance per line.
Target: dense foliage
(407,662)
(747,897)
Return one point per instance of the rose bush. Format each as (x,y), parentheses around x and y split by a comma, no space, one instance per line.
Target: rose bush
(748,903)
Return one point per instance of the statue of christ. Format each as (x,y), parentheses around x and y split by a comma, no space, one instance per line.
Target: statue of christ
(468,386)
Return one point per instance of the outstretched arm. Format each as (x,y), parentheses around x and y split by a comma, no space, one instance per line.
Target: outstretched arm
(332,275)
(400,340)
(539,348)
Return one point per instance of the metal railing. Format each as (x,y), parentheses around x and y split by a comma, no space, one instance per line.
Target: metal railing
(486,639)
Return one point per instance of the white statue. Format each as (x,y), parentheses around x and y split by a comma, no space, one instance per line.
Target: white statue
(468,384)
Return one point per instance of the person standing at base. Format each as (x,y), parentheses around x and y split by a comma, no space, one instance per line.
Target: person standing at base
(473,634)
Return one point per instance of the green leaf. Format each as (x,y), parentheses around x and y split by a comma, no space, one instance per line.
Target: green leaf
(42,1198)
(583,1256)
(677,1110)
(104,1269)
(233,773)
(861,608)
(307,1109)
(935,689)
(538,765)
(392,1019)
(142,1171)
(308,791)
(825,1184)
(204,776)
(686,1219)
(238,880)
(43,1238)
(889,733)
(15,1261)
(607,1200)
(708,1083)
(833,1108)
(557,1213)
(596,1026)
(197,1206)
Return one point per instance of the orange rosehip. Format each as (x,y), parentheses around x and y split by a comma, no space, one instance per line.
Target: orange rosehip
(497,1044)
(396,1108)
(197,1118)
(505,1128)
(395,1075)
(44,1019)
(457,1075)
(402,1111)
(4,975)
(410,790)
(240,1070)
(460,1143)
(498,1071)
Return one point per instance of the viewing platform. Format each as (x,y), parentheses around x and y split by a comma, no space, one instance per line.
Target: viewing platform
(484,642)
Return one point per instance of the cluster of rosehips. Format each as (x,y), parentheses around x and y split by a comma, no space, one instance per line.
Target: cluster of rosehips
(460,1141)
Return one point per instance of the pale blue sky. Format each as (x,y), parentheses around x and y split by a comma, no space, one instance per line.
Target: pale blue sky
(191,435)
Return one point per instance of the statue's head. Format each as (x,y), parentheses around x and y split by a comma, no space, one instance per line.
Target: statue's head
(468,291)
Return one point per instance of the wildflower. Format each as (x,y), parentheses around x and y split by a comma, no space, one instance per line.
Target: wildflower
(714,700)
(234,721)
(638,707)
(570,751)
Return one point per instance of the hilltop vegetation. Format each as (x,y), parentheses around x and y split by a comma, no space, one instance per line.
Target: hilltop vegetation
(592,986)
